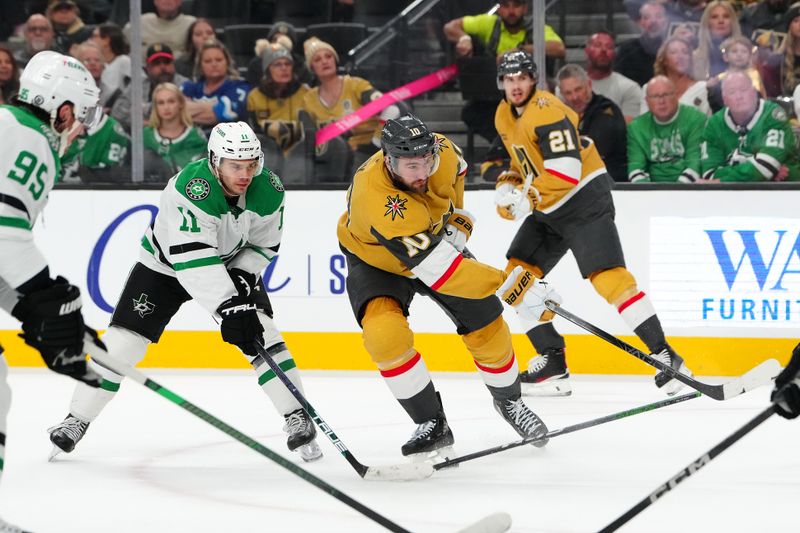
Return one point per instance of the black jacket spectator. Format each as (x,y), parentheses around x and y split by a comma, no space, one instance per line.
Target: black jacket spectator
(766,15)
(604,123)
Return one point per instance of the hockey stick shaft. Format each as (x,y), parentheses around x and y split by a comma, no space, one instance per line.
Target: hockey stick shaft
(323,426)
(717,392)
(690,469)
(569,429)
(130,372)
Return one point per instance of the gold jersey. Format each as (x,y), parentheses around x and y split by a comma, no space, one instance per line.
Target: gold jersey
(277,117)
(356,93)
(544,141)
(400,231)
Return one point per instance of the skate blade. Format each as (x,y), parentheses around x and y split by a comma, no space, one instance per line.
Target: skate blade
(309,452)
(438,455)
(559,387)
(673,386)
(55,452)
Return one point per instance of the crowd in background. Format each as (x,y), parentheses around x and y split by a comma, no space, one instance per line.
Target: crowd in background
(705,93)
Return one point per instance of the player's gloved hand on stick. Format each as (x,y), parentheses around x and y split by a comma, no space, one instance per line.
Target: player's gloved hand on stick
(459,228)
(240,324)
(52,323)
(246,283)
(527,294)
(512,202)
(786,393)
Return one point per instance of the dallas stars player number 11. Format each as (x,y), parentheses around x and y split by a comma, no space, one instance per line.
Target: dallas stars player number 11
(219,224)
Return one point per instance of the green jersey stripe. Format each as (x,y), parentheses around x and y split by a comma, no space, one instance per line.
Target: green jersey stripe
(15,222)
(195,263)
(269,374)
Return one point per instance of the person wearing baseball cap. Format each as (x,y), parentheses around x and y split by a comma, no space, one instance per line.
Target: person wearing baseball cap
(159,68)
(68,27)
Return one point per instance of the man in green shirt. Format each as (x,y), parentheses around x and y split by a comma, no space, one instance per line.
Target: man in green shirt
(749,139)
(664,143)
(98,154)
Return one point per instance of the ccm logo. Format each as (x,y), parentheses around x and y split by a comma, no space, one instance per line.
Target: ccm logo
(238,308)
(515,293)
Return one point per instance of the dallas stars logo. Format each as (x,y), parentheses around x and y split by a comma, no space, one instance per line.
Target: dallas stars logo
(197,189)
(142,306)
(395,206)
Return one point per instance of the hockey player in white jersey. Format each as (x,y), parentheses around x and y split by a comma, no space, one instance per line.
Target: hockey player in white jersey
(218,226)
(57,98)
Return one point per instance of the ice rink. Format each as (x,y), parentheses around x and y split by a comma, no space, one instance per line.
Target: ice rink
(148,466)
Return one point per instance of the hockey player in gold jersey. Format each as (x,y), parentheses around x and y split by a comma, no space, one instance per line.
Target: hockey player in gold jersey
(404,233)
(559,185)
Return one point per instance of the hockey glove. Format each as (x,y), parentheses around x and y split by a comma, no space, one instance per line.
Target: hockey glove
(245,282)
(526,294)
(511,202)
(240,325)
(786,393)
(459,228)
(52,324)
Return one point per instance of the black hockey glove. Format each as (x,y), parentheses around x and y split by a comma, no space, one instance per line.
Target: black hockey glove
(786,393)
(246,283)
(52,324)
(240,325)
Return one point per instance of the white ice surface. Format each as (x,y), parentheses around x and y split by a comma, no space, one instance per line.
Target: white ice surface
(148,466)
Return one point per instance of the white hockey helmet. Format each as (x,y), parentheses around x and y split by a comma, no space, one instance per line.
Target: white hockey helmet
(233,140)
(51,79)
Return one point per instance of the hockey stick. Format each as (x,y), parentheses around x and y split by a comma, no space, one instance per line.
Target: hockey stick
(690,469)
(494,523)
(399,472)
(569,429)
(757,376)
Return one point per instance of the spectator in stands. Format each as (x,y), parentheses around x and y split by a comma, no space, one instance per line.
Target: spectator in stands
(159,68)
(765,15)
(167,26)
(635,58)
(90,55)
(199,32)
(171,141)
(624,92)
(718,23)
(97,154)
(494,35)
(284,34)
(9,75)
(68,27)
(273,106)
(115,49)
(749,139)
(737,52)
(674,60)
(218,95)
(38,36)
(664,143)
(337,96)
(781,72)
(599,118)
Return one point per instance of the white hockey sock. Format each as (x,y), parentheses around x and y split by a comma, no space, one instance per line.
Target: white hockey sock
(5,404)
(500,377)
(276,390)
(122,344)
(636,309)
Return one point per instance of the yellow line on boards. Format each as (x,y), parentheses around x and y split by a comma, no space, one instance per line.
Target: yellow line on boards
(586,354)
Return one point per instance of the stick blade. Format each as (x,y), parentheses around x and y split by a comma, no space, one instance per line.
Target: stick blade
(400,472)
(494,523)
(759,375)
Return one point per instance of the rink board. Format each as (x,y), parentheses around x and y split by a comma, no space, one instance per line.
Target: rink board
(726,286)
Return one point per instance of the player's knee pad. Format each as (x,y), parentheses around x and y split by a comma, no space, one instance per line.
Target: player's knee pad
(615,284)
(124,345)
(533,269)
(490,346)
(5,392)
(387,336)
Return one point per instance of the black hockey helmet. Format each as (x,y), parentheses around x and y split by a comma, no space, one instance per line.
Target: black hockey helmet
(514,62)
(406,136)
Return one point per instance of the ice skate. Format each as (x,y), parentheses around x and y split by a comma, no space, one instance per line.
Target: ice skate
(432,440)
(66,435)
(668,356)
(547,375)
(522,419)
(302,435)
(5,527)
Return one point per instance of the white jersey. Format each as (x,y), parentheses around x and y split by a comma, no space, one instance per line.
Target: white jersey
(199,233)
(29,167)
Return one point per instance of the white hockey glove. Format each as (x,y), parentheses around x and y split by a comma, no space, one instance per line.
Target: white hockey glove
(459,228)
(511,203)
(527,294)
